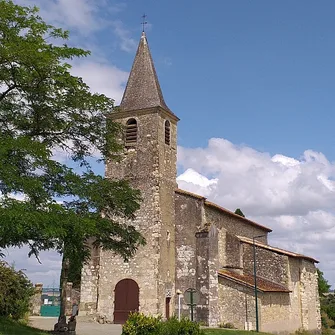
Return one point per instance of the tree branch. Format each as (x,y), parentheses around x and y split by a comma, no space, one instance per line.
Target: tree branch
(10,88)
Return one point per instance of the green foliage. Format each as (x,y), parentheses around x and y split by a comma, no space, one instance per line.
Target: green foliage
(225,331)
(46,112)
(11,327)
(139,324)
(326,321)
(322,283)
(328,310)
(227,325)
(302,331)
(182,327)
(327,302)
(15,292)
(239,212)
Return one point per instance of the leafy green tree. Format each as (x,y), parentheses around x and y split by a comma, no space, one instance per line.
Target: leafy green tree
(327,302)
(45,110)
(239,212)
(322,283)
(15,292)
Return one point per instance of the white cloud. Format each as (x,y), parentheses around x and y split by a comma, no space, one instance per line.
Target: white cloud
(195,182)
(84,18)
(101,77)
(293,196)
(81,15)
(127,43)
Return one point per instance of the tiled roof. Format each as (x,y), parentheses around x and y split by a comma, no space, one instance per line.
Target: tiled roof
(193,195)
(143,90)
(224,210)
(211,204)
(277,250)
(247,279)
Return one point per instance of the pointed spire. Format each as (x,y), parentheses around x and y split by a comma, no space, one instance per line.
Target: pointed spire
(143,89)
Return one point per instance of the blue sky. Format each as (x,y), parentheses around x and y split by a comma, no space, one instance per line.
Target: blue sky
(262,71)
(253,85)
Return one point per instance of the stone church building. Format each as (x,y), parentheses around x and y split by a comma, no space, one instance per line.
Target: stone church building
(191,242)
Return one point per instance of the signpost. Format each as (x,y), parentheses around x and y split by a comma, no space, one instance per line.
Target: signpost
(191,297)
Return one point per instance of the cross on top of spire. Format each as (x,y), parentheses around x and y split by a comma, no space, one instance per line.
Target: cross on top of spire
(144,22)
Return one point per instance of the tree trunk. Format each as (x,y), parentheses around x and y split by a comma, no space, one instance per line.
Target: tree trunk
(63,283)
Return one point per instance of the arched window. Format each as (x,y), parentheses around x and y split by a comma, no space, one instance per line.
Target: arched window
(167,132)
(131,132)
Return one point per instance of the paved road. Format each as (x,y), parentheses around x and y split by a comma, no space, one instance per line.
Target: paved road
(83,327)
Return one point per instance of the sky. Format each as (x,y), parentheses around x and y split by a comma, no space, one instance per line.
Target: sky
(253,84)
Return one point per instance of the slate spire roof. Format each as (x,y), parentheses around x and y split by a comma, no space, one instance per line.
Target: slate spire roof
(143,89)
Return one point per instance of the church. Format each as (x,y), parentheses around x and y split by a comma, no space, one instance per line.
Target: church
(192,244)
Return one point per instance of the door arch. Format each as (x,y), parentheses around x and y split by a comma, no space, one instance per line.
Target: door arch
(126,300)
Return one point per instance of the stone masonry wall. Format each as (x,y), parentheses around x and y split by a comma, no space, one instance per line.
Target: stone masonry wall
(232,251)
(168,185)
(150,167)
(310,301)
(189,213)
(213,280)
(269,264)
(234,225)
(275,311)
(197,259)
(90,283)
(36,301)
(237,304)
(202,276)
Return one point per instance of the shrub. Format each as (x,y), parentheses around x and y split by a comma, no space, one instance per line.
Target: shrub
(182,327)
(139,324)
(15,292)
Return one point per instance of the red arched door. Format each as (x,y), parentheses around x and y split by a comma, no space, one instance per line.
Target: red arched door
(126,300)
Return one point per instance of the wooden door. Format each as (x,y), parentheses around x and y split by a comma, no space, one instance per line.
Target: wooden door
(167,307)
(126,300)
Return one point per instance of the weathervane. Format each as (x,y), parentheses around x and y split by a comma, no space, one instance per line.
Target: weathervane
(144,22)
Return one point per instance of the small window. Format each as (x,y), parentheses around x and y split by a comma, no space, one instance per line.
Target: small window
(131,132)
(167,132)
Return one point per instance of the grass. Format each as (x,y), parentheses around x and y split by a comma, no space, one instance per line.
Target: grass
(224,331)
(9,327)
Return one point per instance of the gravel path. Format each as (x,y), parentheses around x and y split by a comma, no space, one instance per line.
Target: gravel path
(83,327)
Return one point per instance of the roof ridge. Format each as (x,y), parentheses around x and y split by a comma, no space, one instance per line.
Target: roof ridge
(264,284)
(276,249)
(212,204)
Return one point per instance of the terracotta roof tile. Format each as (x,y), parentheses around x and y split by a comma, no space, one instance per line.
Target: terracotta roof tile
(263,284)
(211,204)
(193,195)
(277,250)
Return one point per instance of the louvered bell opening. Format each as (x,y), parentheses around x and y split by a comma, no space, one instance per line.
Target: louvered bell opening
(167,132)
(131,132)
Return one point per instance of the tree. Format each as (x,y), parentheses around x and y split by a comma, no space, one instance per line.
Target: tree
(44,203)
(239,212)
(322,283)
(327,302)
(15,292)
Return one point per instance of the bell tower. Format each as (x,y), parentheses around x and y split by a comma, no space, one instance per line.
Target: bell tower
(149,162)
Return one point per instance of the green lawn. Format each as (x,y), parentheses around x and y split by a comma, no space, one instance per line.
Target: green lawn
(223,331)
(8,327)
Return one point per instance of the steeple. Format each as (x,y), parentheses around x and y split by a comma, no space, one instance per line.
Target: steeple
(143,89)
